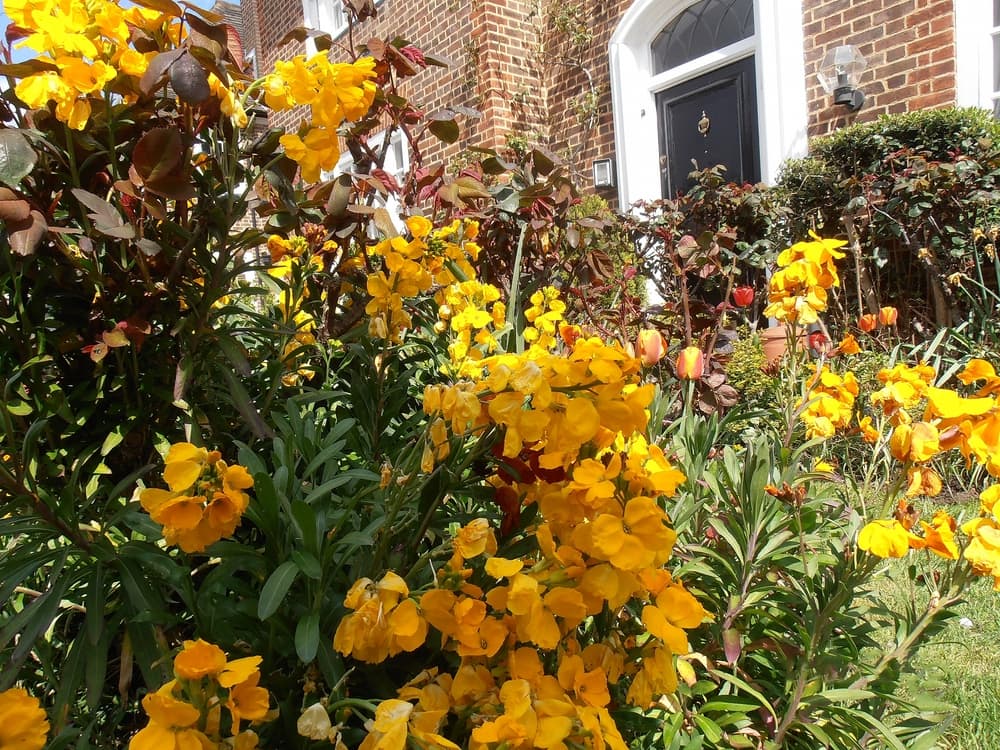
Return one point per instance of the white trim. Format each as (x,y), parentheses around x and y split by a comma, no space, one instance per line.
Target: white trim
(781,88)
(973,53)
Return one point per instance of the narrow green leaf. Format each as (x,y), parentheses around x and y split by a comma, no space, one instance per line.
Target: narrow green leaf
(307,637)
(275,588)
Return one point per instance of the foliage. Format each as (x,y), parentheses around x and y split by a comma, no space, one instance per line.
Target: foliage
(383,482)
(916,195)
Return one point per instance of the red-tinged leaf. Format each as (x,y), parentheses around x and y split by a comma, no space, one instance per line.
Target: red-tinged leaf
(126,187)
(158,70)
(234,47)
(469,187)
(175,186)
(15,210)
(162,6)
(158,153)
(214,31)
(445,130)
(362,9)
(731,644)
(25,235)
(15,33)
(206,14)
(27,68)
(377,47)
(189,80)
(386,179)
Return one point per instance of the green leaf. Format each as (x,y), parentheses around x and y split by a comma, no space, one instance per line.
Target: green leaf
(711,730)
(17,157)
(445,130)
(307,637)
(308,564)
(275,588)
(341,479)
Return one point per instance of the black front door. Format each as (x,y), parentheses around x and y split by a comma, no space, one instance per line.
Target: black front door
(711,119)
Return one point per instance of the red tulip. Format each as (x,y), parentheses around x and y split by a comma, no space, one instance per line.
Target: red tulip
(651,346)
(743,296)
(690,363)
(867,322)
(818,342)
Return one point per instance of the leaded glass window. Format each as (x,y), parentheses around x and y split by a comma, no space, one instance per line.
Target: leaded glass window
(702,28)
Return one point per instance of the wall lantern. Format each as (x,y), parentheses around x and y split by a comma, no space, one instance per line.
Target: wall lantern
(604,173)
(839,75)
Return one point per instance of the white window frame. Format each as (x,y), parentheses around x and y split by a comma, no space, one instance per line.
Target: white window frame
(777,46)
(325,15)
(397,163)
(975,65)
(329,16)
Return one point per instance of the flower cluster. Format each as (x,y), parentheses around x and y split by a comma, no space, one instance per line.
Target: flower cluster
(950,421)
(555,401)
(334,92)
(23,724)
(798,290)
(187,712)
(829,404)
(543,315)
(87,45)
(435,257)
(572,417)
(205,500)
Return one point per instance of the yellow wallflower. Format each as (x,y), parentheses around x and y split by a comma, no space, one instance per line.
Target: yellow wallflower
(23,724)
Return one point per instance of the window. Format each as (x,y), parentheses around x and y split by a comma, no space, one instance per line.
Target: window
(326,15)
(977,54)
(704,27)
(329,16)
(995,38)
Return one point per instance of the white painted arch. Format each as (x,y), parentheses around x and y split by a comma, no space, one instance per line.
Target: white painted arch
(777,47)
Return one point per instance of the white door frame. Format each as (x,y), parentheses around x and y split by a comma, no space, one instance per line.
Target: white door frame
(777,47)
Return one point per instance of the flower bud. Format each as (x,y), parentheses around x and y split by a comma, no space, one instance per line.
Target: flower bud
(743,296)
(690,363)
(887,316)
(868,323)
(650,346)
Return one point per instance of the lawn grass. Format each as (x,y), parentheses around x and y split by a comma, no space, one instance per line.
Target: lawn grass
(961,665)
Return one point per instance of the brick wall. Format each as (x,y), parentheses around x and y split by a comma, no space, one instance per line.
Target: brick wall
(909,46)
(520,64)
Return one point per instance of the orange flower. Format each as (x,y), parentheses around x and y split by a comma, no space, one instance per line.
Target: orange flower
(690,363)
(888,315)
(651,346)
(868,323)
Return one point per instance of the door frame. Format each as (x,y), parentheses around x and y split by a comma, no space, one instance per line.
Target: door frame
(777,47)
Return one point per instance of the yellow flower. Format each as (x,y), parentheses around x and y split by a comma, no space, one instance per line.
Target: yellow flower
(884,538)
(23,724)
(939,536)
(247,701)
(389,729)
(199,659)
(171,725)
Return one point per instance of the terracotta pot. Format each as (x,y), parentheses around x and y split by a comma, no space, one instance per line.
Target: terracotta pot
(774,342)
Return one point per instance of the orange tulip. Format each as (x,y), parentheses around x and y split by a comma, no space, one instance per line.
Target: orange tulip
(887,316)
(650,346)
(690,363)
(868,323)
